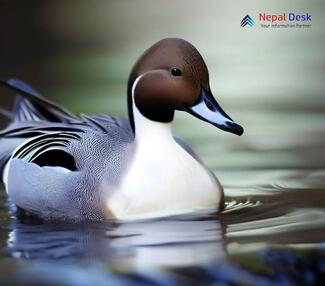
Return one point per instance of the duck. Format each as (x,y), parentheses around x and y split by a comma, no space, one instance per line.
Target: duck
(56,165)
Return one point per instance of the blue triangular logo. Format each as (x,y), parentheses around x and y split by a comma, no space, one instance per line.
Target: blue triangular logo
(247,20)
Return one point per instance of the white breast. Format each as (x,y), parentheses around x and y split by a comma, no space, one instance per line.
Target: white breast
(163,179)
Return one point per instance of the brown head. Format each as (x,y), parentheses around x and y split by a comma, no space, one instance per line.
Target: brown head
(172,75)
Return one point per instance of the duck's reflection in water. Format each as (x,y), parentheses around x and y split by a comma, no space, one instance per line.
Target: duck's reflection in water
(155,243)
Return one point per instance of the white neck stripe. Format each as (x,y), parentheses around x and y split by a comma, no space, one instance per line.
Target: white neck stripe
(134,85)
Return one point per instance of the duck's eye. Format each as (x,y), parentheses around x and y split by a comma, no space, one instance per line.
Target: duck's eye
(176,72)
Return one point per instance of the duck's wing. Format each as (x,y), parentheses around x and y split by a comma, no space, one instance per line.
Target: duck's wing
(45,156)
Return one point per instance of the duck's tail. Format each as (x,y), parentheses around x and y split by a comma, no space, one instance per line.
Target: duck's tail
(31,106)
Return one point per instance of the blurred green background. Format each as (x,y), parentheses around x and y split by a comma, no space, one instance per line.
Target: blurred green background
(79,53)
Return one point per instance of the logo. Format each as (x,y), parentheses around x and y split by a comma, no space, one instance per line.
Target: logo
(282,20)
(247,20)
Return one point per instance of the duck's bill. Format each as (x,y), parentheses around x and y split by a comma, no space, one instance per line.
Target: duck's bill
(207,109)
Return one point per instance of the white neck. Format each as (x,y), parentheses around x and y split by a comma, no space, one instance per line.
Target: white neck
(146,128)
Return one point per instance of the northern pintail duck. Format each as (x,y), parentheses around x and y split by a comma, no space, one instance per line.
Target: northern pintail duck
(57,165)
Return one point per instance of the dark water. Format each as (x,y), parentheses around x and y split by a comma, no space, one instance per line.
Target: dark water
(258,241)
(271,232)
